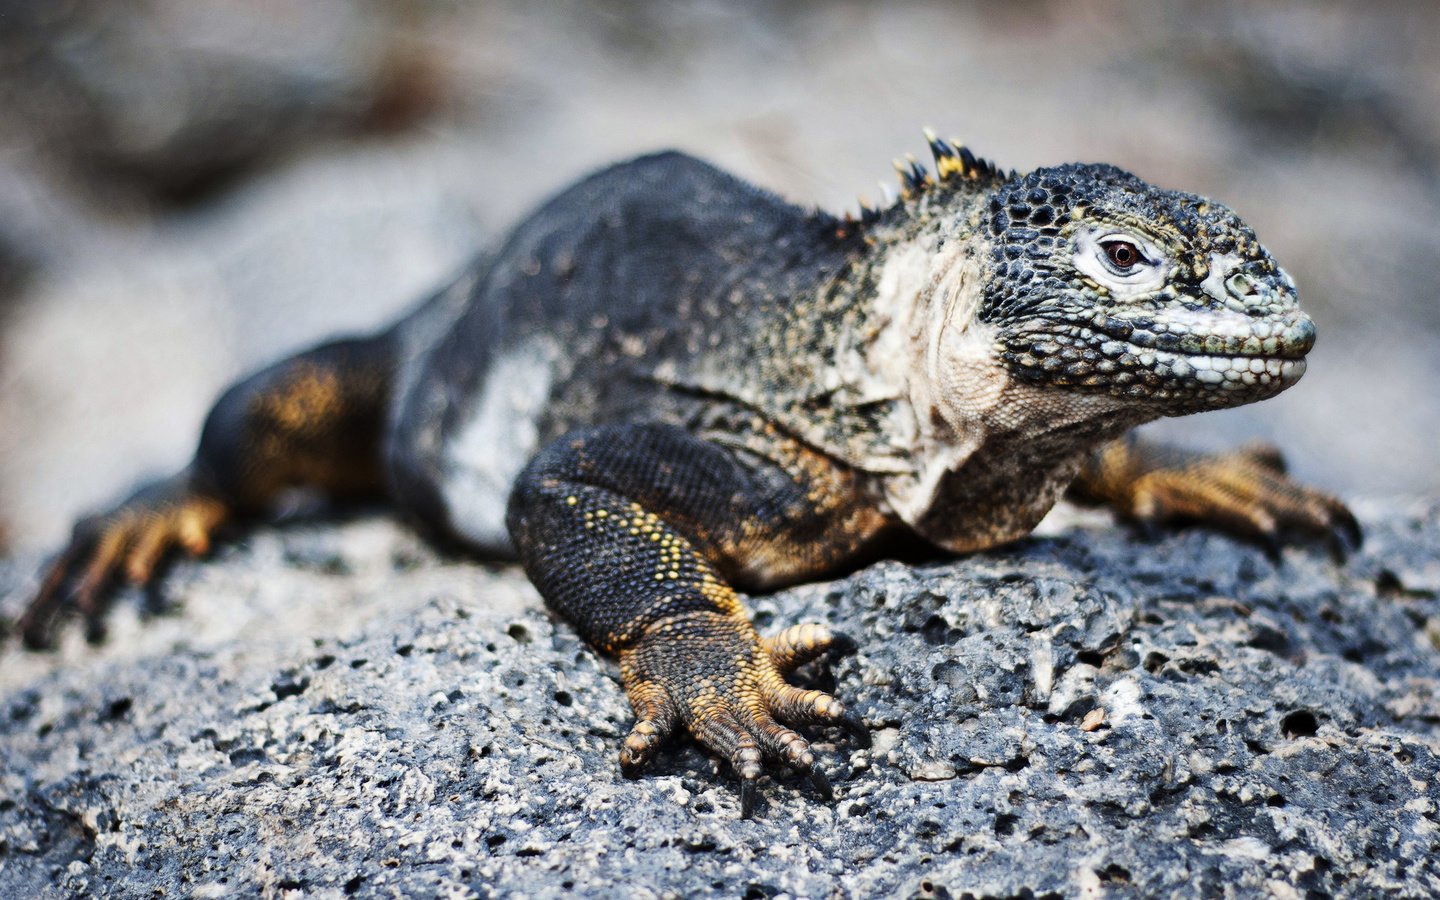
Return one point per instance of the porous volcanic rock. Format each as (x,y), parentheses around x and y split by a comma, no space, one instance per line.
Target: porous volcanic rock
(336,709)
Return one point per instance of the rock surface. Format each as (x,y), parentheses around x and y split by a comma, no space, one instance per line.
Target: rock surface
(337,709)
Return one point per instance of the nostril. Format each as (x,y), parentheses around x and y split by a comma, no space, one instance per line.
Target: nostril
(1242,285)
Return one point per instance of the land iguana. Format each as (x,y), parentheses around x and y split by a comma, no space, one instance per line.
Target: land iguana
(668,386)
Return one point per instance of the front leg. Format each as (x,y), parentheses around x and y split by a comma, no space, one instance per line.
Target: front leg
(635,534)
(1244,491)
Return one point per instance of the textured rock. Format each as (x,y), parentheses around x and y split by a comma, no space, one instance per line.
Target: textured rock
(337,709)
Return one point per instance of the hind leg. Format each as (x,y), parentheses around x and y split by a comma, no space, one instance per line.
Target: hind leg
(312,421)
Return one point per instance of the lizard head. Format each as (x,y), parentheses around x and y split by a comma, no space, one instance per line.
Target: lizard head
(1100,282)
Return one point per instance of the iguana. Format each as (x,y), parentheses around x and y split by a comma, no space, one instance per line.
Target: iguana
(668,386)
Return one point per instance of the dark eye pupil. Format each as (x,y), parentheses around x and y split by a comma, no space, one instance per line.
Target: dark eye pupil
(1122,254)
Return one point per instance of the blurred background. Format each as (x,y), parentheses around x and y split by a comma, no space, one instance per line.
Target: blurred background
(191,188)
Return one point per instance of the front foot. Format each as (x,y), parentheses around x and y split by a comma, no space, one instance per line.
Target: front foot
(131,540)
(713,674)
(1245,491)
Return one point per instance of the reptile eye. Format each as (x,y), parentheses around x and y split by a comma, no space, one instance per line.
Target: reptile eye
(1119,261)
(1123,254)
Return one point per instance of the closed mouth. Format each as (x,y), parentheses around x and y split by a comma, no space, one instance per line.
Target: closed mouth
(1287,332)
(1219,350)
(1223,371)
(1173,355)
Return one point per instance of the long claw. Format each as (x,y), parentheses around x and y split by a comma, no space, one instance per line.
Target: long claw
(821,784)
(1271,544)
(95,630)
(748,792)
(844,644)
(1336,548)
(1150,530)
(855,727)
(1349,527)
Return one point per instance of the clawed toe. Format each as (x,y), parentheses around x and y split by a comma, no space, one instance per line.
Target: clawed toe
(799,644)
(133,542)
(656,717)
(818,708)
(639,749)
(747,746)
(36,623)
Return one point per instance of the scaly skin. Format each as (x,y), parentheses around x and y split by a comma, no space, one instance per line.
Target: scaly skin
(689,389)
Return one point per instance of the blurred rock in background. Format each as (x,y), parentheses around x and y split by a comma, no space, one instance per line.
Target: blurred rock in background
(178,98)
(190,188)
